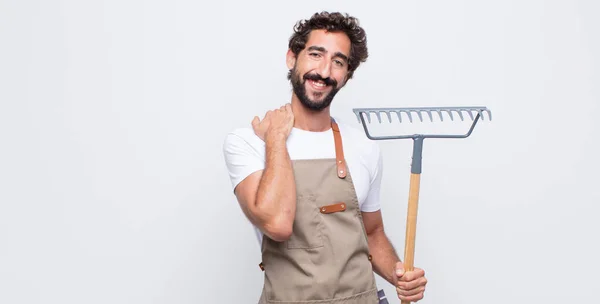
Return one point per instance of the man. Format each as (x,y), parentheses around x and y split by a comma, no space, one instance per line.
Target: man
(310,186)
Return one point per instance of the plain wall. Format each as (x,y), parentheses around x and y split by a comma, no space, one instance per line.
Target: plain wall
(113,187)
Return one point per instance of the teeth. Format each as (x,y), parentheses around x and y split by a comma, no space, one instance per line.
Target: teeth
(319,84)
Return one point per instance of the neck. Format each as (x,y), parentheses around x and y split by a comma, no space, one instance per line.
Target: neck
(308,120)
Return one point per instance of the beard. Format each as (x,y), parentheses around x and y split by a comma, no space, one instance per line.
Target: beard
(299,87)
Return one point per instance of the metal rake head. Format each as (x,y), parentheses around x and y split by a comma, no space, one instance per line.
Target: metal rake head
(361,113)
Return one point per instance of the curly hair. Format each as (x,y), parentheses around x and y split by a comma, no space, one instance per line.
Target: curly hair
(333,22)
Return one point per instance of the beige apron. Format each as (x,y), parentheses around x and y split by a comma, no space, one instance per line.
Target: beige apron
(326,260)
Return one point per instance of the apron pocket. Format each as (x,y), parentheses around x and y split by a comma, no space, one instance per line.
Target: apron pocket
(306,231)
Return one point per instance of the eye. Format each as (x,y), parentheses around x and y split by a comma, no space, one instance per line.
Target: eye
(339,63)
(316,55)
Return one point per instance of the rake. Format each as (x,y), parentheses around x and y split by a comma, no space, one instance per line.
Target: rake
(416,166)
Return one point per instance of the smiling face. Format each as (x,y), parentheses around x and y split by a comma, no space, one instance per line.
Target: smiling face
(320,70)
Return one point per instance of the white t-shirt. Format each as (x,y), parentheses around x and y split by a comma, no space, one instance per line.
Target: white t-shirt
(245,153)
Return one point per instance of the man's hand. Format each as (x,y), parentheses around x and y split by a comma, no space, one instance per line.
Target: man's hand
(410,285)
(277,122)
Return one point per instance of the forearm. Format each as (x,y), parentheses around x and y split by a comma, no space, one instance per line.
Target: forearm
(275,202)
(384,255)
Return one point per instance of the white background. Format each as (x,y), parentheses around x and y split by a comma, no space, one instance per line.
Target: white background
(113,187)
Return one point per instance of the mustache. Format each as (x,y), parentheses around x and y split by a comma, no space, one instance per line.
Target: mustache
(316,77)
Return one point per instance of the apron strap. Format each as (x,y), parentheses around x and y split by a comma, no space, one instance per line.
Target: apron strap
(339,150)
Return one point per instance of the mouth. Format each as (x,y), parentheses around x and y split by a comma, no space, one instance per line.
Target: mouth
(317,85)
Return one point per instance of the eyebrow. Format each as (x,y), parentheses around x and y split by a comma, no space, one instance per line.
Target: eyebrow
(322,49)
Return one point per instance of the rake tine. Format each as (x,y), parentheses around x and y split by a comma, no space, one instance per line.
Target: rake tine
(459,112)
(470,114)
(489,114)
(419,114)
(440,114)
(364,114)
(378,114)
(481,114)
(398,114)
(450,114)
(430,116)
(409,116)
(389,116)
(368,116)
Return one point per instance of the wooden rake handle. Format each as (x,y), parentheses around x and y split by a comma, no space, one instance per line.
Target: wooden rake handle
(413,204)
(411,224)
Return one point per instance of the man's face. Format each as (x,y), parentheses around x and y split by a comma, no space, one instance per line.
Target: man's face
(319,71)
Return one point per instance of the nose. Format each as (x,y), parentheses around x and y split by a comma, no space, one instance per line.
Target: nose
(325,68)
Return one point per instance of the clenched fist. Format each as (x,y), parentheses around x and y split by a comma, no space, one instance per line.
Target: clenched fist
(278,123)
(410,285)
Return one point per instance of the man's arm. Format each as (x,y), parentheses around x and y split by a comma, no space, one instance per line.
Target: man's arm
(410,286)
(268,197)
(384,255)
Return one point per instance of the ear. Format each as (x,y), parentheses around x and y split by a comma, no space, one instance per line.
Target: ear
(290,59)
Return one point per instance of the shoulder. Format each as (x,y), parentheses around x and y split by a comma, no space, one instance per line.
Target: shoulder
(242,135)
(242,142)
(244,154)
